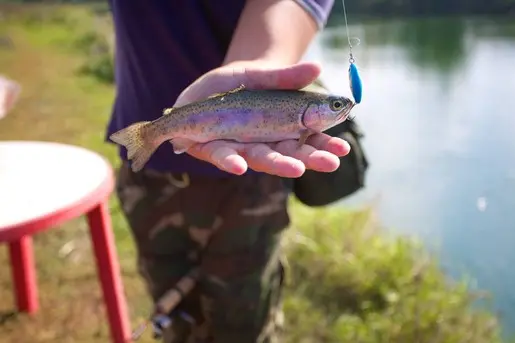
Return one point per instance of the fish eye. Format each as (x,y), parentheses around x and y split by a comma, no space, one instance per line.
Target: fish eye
(336,105)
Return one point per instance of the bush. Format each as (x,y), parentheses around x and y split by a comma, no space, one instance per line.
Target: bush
(349,283)
(87,41)
(101,68)
(99,61)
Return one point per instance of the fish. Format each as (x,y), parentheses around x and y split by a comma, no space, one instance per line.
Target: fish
(241,115)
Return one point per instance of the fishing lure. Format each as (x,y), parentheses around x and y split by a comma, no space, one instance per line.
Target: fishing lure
(355,83)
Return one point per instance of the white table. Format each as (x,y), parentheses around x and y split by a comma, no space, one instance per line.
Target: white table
(39,178)
(42,185)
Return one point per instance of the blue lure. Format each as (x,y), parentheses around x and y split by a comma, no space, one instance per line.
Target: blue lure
(355,83)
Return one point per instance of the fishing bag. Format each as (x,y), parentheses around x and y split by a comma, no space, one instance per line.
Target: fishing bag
(318,188)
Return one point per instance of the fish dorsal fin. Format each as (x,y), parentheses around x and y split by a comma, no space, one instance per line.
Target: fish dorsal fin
(168,111)
(221,95)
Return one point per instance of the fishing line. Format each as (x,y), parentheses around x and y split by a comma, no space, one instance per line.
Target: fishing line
(354,79)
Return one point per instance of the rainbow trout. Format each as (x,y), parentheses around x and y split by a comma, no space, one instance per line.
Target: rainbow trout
(239,115)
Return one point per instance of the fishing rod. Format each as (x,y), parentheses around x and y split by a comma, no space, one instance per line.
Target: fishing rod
(160,319)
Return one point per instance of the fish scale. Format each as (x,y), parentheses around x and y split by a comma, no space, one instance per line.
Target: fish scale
(241,115)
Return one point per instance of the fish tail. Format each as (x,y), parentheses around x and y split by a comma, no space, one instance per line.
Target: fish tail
(138,142)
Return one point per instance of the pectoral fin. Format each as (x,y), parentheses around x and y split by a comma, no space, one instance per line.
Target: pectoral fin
(304,135)
(181,145)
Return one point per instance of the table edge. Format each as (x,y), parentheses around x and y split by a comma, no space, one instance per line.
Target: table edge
(73,210)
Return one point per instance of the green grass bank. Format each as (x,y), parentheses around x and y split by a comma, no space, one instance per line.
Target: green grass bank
(347,280)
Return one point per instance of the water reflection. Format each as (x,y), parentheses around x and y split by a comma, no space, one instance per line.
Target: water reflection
(440,133)
(437,44)
(495,27)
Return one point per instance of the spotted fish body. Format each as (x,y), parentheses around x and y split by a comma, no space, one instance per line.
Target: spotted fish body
(240,115)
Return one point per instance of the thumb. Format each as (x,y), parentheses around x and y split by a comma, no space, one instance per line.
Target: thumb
(291,77)
(229,77)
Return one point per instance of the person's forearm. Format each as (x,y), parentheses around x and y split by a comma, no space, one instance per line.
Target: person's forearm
(274,31)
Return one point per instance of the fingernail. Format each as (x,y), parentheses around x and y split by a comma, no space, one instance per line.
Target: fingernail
(237,169)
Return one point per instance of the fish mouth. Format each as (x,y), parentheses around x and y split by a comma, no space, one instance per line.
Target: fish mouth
(344,114)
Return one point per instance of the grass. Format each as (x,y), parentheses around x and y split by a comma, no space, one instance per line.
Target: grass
(347,281)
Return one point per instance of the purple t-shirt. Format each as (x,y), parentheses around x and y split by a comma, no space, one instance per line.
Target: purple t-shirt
(164,45)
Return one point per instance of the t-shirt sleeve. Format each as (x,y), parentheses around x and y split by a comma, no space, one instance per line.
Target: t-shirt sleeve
(318,9)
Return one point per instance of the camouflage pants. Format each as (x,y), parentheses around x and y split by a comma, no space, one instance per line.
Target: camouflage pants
(231,229)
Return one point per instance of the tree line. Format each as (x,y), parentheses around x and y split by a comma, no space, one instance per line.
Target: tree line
(385,7)
(424,7)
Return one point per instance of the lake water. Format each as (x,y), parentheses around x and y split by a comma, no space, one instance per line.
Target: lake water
(438,113)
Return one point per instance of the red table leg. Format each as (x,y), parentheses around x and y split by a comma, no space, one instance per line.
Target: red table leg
(24,274)
(109,272)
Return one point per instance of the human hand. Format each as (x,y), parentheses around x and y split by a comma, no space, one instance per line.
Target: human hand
(286,158)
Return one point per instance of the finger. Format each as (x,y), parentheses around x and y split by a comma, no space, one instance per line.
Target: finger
(314,159)
(261,158)
(252,77)
(205,86)
(222,154)
(296,76)
(334,145)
